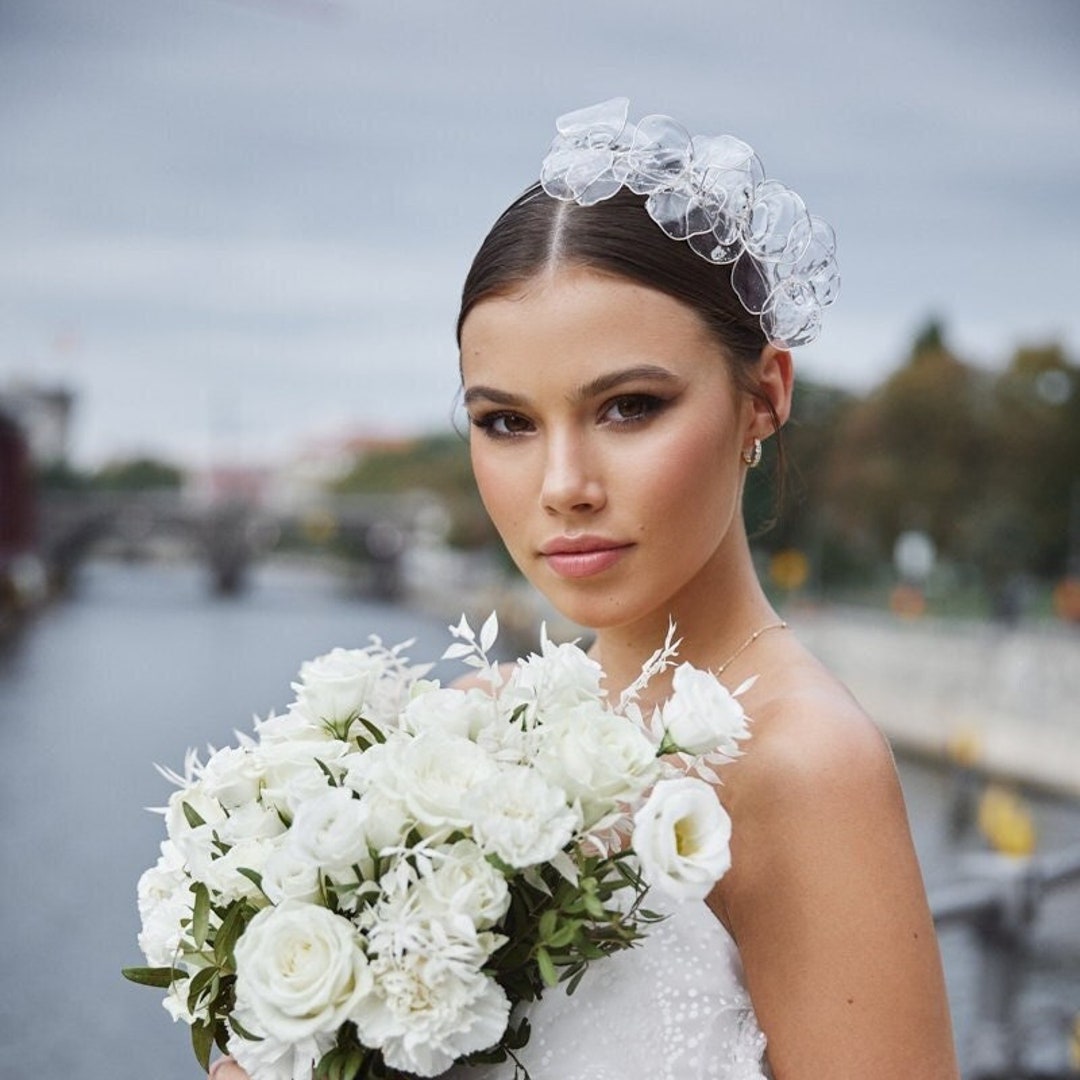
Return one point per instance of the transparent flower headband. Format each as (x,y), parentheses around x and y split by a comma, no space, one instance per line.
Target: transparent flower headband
(711,191)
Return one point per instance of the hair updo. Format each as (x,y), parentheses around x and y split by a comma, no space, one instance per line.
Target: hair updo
(616,236)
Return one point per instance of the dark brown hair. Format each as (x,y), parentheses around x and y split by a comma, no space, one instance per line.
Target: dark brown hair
(616,236)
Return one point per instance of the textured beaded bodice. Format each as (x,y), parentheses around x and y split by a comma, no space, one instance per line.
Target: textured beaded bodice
(673,1008)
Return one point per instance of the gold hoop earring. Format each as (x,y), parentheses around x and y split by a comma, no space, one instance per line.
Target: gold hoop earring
(752,457)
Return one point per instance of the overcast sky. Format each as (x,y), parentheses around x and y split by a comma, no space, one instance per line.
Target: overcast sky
(235,228)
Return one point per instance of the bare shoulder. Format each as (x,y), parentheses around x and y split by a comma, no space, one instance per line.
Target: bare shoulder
(825,897)
(810,739)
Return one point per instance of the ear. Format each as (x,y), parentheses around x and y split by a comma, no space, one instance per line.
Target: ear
(776,380)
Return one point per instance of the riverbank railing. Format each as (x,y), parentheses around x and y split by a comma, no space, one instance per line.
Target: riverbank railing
(1001,908)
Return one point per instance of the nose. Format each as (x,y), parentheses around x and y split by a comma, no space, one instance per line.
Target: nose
(572,477)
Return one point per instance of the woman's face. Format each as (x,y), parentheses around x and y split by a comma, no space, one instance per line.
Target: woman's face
(606,441)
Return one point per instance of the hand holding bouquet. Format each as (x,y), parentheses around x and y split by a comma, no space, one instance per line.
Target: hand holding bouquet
(370,885)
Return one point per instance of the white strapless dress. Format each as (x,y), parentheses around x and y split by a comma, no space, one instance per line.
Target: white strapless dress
(674,1007)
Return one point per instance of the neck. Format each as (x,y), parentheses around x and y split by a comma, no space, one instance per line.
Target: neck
(713,615)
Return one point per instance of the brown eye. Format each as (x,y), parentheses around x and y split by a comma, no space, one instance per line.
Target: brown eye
(632,407)
(503,425)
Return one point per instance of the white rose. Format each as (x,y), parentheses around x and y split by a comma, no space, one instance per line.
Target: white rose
(232,777)
(300,971)
(561,675)
(289,875)
(337,687)
(430,775)
(251,822)
(331,832)
(291,771)
(595,757)
(462,880)
(221,873)
(463,713)
(681,837)
(701,715)
(518,816)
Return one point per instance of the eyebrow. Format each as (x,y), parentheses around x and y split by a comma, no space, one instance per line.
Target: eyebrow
(599,385)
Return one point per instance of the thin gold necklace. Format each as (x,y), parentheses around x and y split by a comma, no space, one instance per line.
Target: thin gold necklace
(781,625)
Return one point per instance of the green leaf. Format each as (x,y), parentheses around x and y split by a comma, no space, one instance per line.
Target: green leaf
(547,968)
(161,977)
(328,773)
(202,1042)
(204,984)
(242,1031)
(548,923)
(376,733)
(194,818)
(200,917)
(228,932)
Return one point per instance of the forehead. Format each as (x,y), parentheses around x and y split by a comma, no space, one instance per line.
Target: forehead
(573,323)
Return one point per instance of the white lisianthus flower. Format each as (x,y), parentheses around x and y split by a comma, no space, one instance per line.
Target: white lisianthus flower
(463,713)
(463,881)
(518,816)
(702,716)
(231,776)
(164,899)
(595,757)
(682,838)
(338,687)
(300,971)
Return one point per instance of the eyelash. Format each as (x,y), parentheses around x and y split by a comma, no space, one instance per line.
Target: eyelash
(650,406)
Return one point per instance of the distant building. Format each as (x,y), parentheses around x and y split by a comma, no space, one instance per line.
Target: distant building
(44,416)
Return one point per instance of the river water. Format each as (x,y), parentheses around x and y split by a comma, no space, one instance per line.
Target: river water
(142,663)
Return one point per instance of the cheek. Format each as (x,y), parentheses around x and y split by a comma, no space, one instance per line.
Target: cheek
(500,489)
(688,486)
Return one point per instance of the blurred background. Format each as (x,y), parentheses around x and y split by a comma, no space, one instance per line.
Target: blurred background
(232,239)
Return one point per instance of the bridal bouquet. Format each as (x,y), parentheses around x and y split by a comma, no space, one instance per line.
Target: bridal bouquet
(370,884)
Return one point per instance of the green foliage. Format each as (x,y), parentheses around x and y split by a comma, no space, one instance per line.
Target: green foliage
(988,464)
(436,463)
(137,474)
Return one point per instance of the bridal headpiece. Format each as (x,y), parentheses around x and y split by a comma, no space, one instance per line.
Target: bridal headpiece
(711,191)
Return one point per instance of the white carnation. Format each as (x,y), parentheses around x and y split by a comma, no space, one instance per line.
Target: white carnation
(431,1003)
(518,816)
(165,899)
(462,880)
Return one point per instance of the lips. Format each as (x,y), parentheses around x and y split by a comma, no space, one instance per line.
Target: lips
(582,556)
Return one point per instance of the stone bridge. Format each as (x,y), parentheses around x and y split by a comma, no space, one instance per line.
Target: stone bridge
(230,535)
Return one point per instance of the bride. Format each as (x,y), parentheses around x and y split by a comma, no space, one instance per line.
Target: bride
(625,337)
